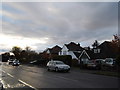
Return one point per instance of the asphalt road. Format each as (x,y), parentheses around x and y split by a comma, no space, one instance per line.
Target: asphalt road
(33,77)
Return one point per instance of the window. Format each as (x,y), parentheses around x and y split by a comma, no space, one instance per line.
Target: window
(64,52)
(96,50)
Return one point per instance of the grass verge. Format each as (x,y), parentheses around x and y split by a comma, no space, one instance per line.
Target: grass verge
(108,73)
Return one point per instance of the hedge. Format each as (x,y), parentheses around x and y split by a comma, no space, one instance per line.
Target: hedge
(67,59)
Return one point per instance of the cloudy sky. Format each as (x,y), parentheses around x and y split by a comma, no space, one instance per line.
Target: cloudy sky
(44,24)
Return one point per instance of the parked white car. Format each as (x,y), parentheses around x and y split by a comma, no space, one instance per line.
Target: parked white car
(57,66)
(109,62)
(10,61)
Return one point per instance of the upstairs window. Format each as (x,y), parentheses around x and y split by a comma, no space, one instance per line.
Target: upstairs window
(96,50)
(64,52)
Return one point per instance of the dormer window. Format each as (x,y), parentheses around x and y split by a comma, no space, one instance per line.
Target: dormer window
(96,50)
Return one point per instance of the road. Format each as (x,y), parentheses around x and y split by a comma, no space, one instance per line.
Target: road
(34,77)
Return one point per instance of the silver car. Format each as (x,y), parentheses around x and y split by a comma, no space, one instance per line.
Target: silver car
(57,66)
(109,62)
(16,62)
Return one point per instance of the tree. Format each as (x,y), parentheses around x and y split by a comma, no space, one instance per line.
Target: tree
(116,43)
(116,46)
(95,44)
(24,56)
(116,40)
(16,50)
(28,49)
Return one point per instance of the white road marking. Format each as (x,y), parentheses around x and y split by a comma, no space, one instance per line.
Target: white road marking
(21,81)
(10,75)
(3,71)
(27,84)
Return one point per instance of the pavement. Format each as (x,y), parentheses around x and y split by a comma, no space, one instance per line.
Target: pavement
(35,78)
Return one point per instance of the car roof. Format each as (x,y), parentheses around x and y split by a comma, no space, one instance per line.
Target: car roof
(55,61)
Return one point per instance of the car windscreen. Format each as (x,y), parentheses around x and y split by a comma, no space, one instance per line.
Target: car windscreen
(59,62)
(109,60)
(16,61)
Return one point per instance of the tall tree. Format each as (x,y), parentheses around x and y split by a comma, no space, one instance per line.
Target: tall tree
(16,50)
(116,46)
(28,49)
(116,40)
(95,44)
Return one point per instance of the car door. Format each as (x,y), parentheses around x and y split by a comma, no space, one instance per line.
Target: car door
(53,66)
(50,65)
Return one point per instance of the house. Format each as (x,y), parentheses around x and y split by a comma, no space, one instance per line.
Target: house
(72,49)
(107,50)
(51,52)
(104,50)
(77,52)
(54,50)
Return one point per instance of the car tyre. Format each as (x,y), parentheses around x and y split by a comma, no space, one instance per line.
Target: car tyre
(67,70)
(48,69)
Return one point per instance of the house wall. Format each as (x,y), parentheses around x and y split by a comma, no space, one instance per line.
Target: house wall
(84,58)
(72,54)
(65,51)
(48,52)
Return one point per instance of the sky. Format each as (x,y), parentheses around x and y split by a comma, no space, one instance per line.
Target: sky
(41,25)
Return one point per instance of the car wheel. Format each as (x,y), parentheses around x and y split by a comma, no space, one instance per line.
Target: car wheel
(48,69)
(67,70)
(56,69)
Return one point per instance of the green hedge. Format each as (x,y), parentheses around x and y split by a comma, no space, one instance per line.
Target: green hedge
(118,60)
(75,63)
(67,59)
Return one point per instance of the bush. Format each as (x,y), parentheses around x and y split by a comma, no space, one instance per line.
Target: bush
(75,62)
(67,59)
(118,61)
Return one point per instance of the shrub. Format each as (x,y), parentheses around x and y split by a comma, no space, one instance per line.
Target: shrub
(118,61)
(67,59)
(75,62)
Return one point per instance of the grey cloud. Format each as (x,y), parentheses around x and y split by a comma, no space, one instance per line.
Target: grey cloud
(64,22)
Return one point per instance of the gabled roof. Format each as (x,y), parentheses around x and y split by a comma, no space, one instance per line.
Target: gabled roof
(46,50)
(55,50)
(93,55)
(77,54)
(73,46)
(107,50)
